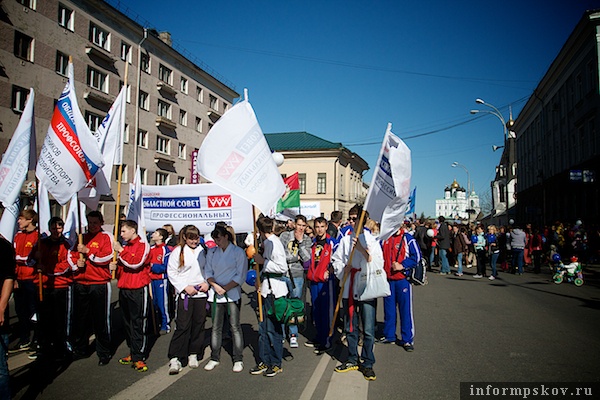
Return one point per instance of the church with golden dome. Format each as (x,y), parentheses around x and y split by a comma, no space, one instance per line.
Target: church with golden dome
(458,204)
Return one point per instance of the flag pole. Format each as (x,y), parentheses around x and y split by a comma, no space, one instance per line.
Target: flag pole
(119,175)
(357,232)
(39,243)
(258,295)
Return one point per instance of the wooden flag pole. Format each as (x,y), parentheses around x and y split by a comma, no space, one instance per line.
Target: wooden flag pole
(119,179)
(258,295)
(40,275)
(357,232)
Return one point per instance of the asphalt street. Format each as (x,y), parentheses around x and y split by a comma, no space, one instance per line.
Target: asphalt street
(514,329)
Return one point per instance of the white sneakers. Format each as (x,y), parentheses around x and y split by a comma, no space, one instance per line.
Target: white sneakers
(238,366)
(193,361)
(211,365)
(174,366)
(477,276)
(492,277)
(293,341)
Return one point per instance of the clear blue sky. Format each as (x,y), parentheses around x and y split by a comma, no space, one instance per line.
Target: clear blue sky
(342,70)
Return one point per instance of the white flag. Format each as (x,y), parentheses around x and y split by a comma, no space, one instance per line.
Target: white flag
(70,156)
(72,221)
(42,207)
(110,141)
(390,187)
(236,156)
(135,211)
(8,222)
(17,159)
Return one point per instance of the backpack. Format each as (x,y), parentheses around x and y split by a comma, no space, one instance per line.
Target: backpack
(418,274)
(288,311)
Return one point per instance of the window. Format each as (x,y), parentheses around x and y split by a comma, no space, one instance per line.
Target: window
(199,94)
(28,3)
(163,145)
(23,46)
(127,91)
(62,62)
(99,36)
(93,121)
(302,183)
(162,179)
(143,176)
(19,98)
(126,134)
(225,105)
(213,103)
(126,52)
(321,183)
(182,117)
(142,138)
(165,74)
(124,175)
(164,109)
(97,80)
(65,17)
(210,126)
(184,85)
(145,63)
(198,125)
(180,180)
(181,151)
(144,101)
(342,181)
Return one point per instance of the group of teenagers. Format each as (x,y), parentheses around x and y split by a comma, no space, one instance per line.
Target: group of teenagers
(74,297)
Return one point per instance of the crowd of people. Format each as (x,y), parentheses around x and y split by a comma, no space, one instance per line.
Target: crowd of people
(62,291)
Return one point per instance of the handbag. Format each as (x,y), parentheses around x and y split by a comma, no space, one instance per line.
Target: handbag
(371,282)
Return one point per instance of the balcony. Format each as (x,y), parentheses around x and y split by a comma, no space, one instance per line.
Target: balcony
(98,96)
(95,51)
(214,115)
(165,123)
(166,88)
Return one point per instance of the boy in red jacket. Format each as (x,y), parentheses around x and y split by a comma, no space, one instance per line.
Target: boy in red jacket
(133,274)
(52,254)
(159,259)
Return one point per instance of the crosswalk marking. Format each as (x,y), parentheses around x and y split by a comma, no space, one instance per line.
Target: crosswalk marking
(347,385)
(314,380)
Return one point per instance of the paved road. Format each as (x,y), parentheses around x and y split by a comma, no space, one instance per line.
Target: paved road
(517,328)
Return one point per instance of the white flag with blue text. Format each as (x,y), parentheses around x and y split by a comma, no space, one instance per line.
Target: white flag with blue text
(135,211)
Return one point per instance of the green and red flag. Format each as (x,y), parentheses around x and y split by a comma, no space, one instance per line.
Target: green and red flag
(291,197)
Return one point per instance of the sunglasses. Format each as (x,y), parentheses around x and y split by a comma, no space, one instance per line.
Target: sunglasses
(352,218)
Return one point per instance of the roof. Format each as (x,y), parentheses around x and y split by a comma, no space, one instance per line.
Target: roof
(294,141)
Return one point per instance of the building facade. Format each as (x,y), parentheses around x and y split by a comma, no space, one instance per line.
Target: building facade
(329,174)
(557,135)
(172,99)
(457,204)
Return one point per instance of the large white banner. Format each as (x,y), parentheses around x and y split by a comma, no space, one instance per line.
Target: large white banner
(236,156)
(201,205)
(70,155)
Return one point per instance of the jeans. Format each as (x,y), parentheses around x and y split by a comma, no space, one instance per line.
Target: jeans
(294,293)
(233,310)
(432,257)
(4,374)
(401,297)
(270,339)
(459,258)
(517,261)
(444,260)
(367,309)
(493,261)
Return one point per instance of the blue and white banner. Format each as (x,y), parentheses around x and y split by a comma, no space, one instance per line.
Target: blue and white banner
(200,205)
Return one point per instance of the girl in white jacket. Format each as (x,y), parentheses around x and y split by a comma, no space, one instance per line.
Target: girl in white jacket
(186,273)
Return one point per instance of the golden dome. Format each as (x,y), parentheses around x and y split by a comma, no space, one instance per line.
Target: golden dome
(455,185)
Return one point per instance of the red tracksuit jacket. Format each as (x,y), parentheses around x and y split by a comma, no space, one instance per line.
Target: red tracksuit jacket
(134,269)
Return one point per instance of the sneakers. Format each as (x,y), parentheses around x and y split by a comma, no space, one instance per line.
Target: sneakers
(211,365)
(383,340)
(345,367)
(459,274)
(140,366)
(293,342)
(258,369)
(21,346)
(369,374)
(238,366)
(193,361)
(272,371)
(408,347)
(492,277)
(309,343)
(321,350)
(126,360)
(477,276)
(469,265)
(175,366)
(33,356)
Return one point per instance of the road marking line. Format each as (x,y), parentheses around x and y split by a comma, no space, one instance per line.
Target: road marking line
(347,385)
(154,383)
(314,380)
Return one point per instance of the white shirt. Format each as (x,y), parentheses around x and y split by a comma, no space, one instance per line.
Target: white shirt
(192,271)
(224,267)
(275,263)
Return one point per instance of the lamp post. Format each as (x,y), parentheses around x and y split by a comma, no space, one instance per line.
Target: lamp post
(508,142)
(469,188)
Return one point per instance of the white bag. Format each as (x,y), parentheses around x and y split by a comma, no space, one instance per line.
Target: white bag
(371,281)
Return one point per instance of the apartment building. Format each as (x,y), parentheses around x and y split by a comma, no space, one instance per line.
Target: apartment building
(172,99)
(329,174)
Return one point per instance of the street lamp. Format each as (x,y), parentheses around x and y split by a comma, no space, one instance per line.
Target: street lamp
(456,164)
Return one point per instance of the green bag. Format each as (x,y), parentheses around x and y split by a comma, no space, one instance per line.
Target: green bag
(288,311)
